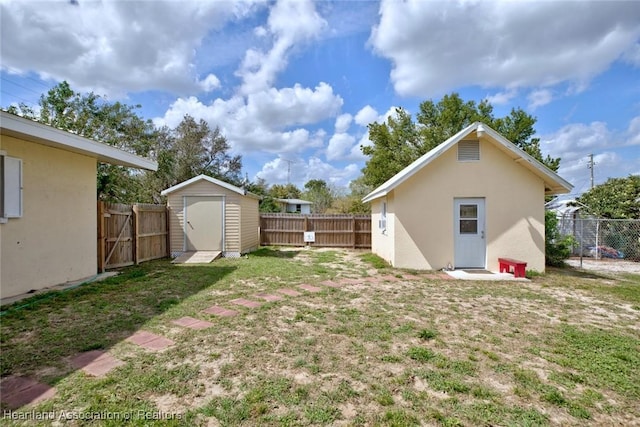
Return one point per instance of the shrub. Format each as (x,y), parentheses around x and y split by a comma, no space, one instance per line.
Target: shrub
(556,247)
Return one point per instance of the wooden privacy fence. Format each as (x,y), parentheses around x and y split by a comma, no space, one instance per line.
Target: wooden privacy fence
(131,234)
(347,231)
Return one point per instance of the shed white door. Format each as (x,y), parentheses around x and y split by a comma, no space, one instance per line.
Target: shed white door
(470,244)
(203,226)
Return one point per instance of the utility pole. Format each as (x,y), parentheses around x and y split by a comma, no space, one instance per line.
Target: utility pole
(590,166)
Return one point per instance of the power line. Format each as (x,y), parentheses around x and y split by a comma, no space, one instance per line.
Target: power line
(20,85)
(4,92)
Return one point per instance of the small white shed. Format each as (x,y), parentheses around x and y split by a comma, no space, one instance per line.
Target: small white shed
(207,214)
(295,206)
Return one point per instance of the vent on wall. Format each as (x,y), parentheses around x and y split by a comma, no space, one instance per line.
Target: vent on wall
(468,151)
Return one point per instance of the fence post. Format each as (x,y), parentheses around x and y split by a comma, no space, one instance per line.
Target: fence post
(135,240)
(101,237)
(353,230)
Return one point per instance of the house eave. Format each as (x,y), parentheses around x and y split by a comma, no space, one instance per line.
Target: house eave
(39,133)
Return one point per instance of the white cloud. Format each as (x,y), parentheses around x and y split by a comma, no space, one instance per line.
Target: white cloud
(632,55)
(447,45)
(574,143)
(343,121)
(339,145)
(301,171)
(290,23)
(633,132)
(539,97)
(263,121)
(576,140)
(366,115)
(210,83)
(114,47)
(502,98)
(279,108)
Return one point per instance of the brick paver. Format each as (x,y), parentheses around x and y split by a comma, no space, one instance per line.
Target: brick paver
(246,303)
(331,284)
(350,281)
(269,297)
(18,391)
(289,292)
(150,341)
(95,362)
(192,323)
(220,311)
(310,288)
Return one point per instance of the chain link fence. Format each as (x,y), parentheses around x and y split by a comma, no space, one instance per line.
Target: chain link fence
(602,238)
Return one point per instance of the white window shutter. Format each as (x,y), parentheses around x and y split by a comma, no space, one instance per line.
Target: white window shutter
(12,187)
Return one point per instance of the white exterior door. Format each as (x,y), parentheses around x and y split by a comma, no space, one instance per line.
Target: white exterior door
(203,223)
(470,244)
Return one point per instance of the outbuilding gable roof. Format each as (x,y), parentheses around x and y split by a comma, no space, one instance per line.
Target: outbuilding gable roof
(40,133)
(295,201)
(554,184)
(212,180)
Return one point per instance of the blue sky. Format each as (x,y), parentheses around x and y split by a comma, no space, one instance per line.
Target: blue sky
(296,82)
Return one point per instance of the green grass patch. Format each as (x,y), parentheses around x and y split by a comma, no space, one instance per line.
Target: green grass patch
(374,260)
(605,358)
(421,354)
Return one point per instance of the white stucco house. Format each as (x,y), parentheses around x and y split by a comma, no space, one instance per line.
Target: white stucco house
(472,199)
(48,209)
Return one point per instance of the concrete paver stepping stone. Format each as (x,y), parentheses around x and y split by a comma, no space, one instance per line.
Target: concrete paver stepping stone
(350,281)
(192,323)
(310,288)
(289,292)
(269,297)
(331,284)
(150,341)
(18,391)
(95,362)
(220,311)
(246,303)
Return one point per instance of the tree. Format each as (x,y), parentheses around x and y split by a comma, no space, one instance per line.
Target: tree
(282,191)
(617,198)
(352,203)
(400,140)
(318,192)
(199,150)
(91,116)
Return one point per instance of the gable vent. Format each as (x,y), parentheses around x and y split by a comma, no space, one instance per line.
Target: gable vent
(468,151)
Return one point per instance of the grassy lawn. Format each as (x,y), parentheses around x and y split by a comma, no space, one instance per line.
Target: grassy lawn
(563,349)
